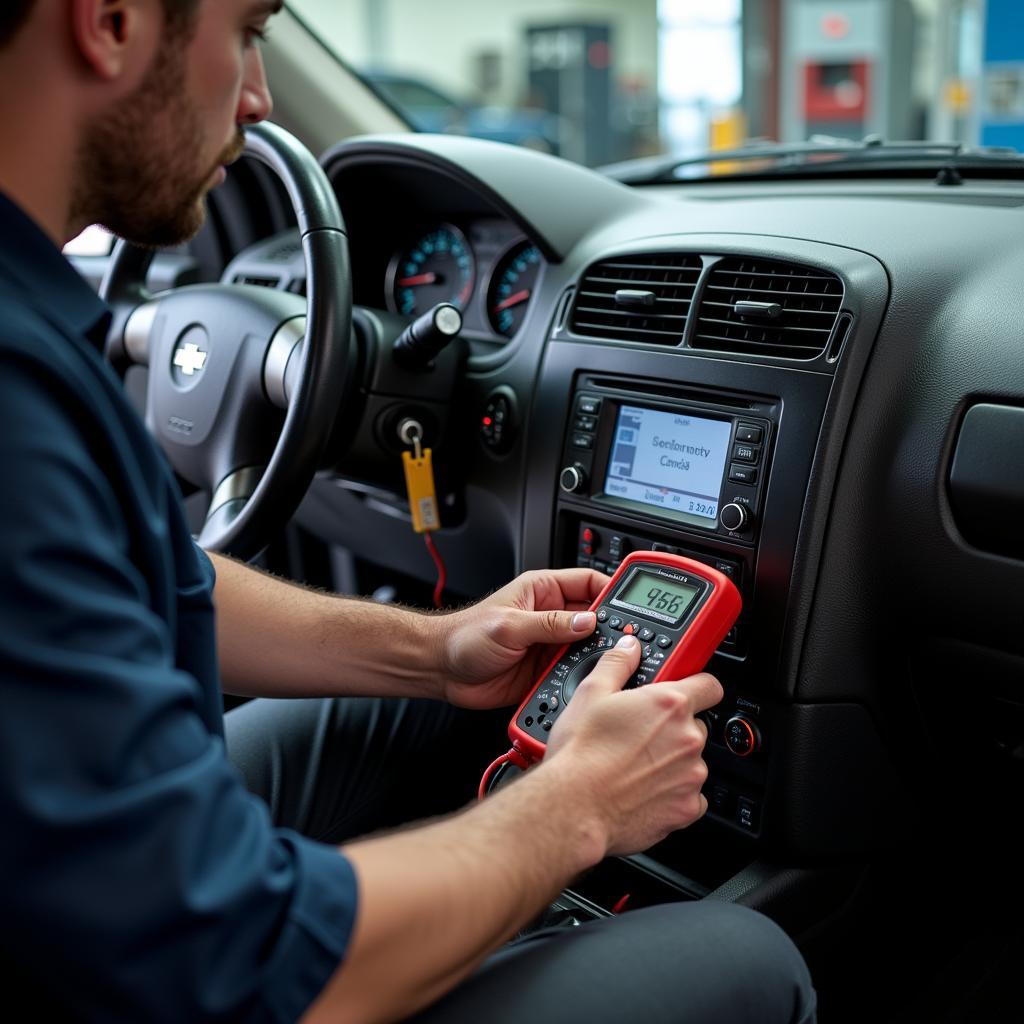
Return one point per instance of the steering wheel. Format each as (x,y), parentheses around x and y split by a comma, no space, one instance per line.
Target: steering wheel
(228,363)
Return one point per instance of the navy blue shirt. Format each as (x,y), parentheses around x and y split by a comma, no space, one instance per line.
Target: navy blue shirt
(139,880)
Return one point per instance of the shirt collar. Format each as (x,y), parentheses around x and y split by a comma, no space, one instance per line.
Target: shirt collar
(29,258)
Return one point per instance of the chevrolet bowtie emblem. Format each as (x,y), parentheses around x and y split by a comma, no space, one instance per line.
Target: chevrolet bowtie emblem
(190,359)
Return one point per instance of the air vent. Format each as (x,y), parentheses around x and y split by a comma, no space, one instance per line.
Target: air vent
(261,282)
(758,307)
(637,298)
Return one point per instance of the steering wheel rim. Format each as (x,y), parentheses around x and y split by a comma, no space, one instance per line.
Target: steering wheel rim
(250,501)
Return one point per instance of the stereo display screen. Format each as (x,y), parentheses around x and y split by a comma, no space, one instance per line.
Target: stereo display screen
(668,460)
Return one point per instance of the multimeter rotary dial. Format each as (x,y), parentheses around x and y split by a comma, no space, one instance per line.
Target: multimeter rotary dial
(576,675)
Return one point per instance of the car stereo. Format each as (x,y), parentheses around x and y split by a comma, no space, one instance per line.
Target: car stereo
(695,465)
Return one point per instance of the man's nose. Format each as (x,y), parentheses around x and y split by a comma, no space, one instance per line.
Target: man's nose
(255,103)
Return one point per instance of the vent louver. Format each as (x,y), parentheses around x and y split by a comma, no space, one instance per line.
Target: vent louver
(654,292)
(760,307)
(260,282)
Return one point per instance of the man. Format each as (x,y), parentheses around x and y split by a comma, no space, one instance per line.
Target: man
(140,879)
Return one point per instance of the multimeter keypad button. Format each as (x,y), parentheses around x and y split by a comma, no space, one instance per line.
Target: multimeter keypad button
(602,615)
(633,628)
(664,641)
(615,622)
(646,634)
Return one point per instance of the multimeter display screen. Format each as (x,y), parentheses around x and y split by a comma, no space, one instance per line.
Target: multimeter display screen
(666,600)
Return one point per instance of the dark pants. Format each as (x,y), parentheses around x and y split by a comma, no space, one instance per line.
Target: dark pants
(337,769)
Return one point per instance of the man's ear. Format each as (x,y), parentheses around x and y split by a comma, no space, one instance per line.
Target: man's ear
(115,38)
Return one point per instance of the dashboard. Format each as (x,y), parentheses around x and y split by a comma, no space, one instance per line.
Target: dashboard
(812,387)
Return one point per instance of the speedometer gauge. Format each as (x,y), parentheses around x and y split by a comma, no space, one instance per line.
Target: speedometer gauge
(438,267)
(512,285)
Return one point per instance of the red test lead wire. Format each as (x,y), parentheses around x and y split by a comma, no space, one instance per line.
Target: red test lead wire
(442,574)
(512,756)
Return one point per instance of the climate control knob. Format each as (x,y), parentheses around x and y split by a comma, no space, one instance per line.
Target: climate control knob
(735,517)
(742,736)
(573,479)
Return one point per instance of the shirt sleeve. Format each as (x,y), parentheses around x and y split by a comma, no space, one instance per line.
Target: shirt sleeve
(139,880)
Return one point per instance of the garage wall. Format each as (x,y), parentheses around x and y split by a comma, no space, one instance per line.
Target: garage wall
(441,40)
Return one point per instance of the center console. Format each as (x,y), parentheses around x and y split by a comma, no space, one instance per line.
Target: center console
(679,469)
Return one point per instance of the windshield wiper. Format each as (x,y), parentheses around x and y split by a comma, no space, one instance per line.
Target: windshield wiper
(819,155)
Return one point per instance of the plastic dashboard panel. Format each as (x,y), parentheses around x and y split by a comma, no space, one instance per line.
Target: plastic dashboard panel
(856,511)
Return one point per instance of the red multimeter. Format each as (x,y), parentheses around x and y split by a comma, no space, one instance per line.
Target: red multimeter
(680,611)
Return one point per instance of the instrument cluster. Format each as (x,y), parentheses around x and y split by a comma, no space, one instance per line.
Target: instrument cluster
(487,269)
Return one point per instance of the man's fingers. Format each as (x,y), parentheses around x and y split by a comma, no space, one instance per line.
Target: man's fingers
(615,667)
(524,629)
(703,690)
(576,586)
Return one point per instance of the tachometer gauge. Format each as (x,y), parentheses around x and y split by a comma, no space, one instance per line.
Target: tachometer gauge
(438,267)
(512,283)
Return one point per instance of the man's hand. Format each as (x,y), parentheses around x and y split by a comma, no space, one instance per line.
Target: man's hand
(635,754)
(493,651)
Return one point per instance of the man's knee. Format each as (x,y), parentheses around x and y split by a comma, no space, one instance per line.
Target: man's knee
(705,962)
(761,974)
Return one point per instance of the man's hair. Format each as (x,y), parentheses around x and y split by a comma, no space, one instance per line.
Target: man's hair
(178,15)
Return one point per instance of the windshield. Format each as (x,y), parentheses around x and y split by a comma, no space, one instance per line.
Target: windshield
(601,81)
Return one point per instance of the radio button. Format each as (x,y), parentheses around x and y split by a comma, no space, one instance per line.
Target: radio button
(582,441)
(746,453)
(742,474)
(572,479)
(748,433)
(734,517)
(585,423)
(618,547)
(747,814)
(588,406)
(730,569)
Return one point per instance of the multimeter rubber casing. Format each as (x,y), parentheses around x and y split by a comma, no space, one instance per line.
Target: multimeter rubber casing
(680,611)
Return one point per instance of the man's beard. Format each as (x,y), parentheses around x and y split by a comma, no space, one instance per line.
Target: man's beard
(136,171)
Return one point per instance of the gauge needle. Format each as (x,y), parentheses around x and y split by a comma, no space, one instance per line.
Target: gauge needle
(512,300)
(412,282)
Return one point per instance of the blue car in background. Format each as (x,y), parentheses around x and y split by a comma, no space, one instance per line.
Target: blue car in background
(429,109)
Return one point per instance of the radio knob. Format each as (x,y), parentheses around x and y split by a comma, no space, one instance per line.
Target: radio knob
(742,736)
(572,479)
(735,517)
